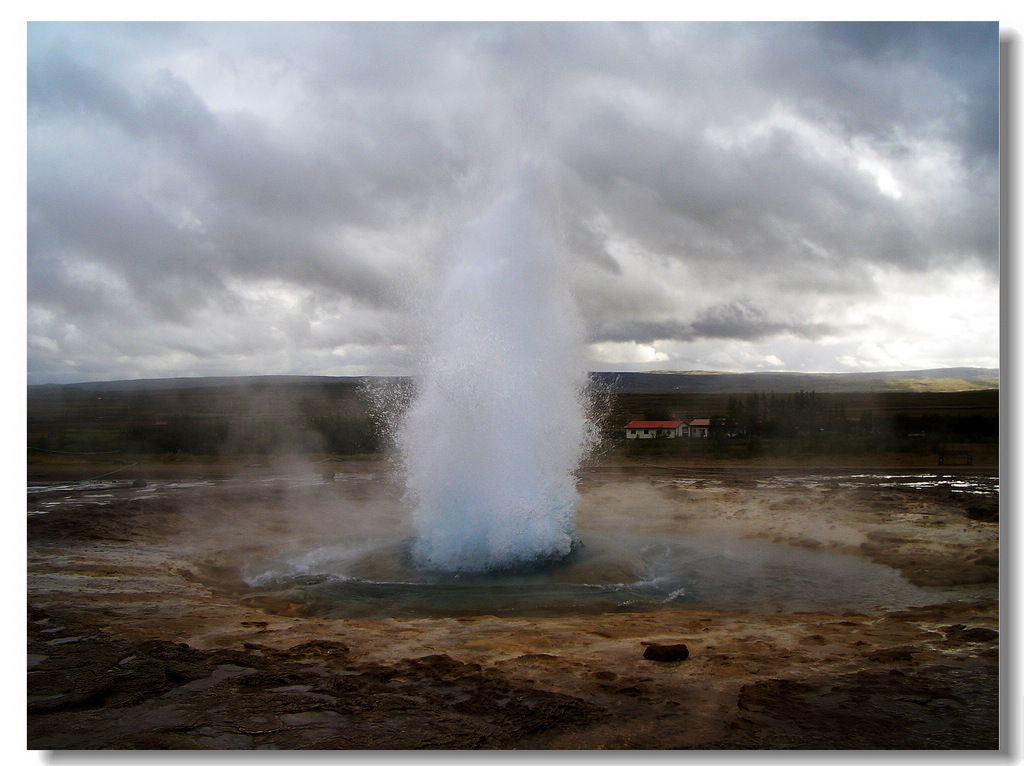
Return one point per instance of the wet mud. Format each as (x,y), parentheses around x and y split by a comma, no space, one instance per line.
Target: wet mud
(142,633)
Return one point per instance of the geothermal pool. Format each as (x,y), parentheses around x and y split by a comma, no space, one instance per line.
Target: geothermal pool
(620,574)
(668,546)
(782,543)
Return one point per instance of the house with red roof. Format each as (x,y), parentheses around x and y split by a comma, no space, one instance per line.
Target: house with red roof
(655,429)
(699,427)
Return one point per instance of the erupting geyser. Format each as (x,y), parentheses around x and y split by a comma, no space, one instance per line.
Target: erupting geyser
(496,429)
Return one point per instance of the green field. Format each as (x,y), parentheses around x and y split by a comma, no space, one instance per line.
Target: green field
(752,415)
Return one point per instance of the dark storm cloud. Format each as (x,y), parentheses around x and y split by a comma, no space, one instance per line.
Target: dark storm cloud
(742,321)
(953,65)
(745,321)
(674,173)
(260,198)
(279,192)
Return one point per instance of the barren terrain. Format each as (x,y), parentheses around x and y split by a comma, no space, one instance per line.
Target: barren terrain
(143,634)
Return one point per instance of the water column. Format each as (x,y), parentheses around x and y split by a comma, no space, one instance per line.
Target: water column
(496,429)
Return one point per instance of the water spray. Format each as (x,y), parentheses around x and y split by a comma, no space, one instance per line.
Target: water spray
(496,429)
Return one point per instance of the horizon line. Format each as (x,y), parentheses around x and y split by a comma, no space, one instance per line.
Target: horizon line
(247,376)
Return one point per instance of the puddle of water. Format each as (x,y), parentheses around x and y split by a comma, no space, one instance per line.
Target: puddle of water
(976,485)
(608,574)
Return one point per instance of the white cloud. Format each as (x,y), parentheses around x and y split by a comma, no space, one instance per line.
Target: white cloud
(207,199)
(627,354)
(887,185)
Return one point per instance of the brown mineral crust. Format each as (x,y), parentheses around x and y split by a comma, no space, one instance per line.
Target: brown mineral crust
(142,634)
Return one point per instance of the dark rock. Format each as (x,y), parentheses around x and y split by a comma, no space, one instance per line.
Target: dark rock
(666,652)
(979,634)
(893,654)
(983,509)
(960,632)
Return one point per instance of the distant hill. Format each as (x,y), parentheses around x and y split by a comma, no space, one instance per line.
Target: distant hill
(949,379)
(173,384)
(343,415)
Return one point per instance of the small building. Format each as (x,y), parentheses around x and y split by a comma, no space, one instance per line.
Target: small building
(655,429)
(698,428)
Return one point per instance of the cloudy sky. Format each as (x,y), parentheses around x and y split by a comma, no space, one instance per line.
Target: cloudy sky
(268,198)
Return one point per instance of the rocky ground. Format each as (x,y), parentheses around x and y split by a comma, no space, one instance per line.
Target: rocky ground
(141,634)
